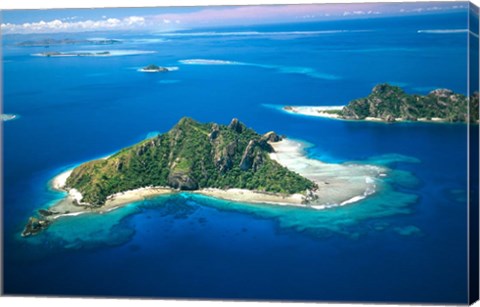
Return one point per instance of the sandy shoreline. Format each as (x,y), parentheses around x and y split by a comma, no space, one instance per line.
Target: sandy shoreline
(322,111)
(255,197)
(72,205)
(338,184)
(318,111)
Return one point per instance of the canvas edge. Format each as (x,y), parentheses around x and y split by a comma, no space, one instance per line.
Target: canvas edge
(473,158)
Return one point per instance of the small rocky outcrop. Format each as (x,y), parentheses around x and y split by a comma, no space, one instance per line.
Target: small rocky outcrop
(224,159)
(182,182)
(236,125)
(119,166)
(264,145)
(46,212)
(34,226)
(389,118)
(154,68)
(272,137)
(252,157)
(215,132)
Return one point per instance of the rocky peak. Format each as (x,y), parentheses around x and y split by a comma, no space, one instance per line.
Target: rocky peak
(185,121)
(271,137)
(251,158)
(214,133)
(236,125)
(386,89)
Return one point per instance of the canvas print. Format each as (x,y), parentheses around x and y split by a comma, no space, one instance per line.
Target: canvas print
(323,152)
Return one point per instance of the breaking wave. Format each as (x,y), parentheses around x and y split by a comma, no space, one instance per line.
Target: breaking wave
(447,31)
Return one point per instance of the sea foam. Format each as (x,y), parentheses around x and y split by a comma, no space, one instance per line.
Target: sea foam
(447,31)
(307,71)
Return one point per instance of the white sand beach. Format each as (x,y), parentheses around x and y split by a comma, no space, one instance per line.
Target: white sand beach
(256,197)
(319,111)
(325,111)
(338,184)
(72,204)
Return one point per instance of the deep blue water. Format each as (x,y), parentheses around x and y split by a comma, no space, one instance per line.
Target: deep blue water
(406,244)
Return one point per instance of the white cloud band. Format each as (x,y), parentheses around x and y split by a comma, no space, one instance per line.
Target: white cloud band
(58,25)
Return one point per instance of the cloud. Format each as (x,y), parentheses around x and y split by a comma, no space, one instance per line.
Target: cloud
(58,25)
(230,15)
(288,13)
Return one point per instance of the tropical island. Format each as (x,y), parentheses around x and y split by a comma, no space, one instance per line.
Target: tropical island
(67,41)
(154,68)
(387,103)
(231,162)
(88,53)
(60,54)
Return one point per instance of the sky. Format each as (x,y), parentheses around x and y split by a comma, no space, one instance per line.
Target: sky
(170,19)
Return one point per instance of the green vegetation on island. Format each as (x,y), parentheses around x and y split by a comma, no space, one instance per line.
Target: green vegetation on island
(390,103)
(154,68)
(190,156)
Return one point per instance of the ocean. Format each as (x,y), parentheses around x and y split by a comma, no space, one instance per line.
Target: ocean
(406,243)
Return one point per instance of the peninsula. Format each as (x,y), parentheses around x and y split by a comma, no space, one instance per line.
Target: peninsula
(231,162)
(387,103)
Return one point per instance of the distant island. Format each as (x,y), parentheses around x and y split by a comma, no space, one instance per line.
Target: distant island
(231,162)
(389,103)
(154,68)
(67,41)
(62,54)
(90,53)
(7,117)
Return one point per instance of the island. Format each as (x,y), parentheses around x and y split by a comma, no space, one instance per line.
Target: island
(67,41)
(231,162)
(387,103)
(66,54)
(154,68)
(7,117)
(89,53)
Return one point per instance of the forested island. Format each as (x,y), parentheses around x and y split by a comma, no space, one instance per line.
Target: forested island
(154,68)
(390,103)
(190,156)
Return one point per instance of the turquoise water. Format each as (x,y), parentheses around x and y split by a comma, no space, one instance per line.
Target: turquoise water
(406,243)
